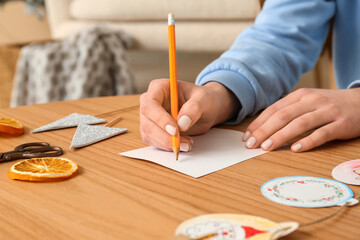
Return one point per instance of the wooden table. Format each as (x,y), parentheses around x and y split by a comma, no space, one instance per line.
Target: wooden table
(114,197)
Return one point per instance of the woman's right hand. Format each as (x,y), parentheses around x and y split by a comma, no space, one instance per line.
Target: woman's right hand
(201,107)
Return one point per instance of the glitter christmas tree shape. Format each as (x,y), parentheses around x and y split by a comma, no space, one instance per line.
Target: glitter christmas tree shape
(86,135)
(72,120)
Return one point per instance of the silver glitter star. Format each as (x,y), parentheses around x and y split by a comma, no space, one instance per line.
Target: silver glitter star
(86,135)
(72,120)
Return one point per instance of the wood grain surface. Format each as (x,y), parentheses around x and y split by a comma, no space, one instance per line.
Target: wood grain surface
(114,197)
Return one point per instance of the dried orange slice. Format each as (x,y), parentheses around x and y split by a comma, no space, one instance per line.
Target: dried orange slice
(43,169)
(11,126)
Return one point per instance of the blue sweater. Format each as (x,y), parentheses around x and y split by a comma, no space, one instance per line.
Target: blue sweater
(267,59)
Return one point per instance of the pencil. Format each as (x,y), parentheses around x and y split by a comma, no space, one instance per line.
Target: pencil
(173,82)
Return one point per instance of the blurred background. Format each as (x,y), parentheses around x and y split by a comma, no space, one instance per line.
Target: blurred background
(204,29)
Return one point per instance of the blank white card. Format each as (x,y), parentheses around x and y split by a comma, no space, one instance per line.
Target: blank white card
(213,151)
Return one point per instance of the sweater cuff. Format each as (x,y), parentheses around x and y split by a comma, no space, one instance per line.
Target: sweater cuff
(354,84)
(236,83)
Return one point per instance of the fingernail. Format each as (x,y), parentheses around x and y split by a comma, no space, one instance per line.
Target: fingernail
(246,136)
(184,147)
(170,129)
(297,147)
(267,144)
(250,142)
(184,122)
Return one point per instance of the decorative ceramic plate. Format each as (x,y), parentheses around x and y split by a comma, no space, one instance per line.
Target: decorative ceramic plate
(303,191)
(348,172)
(234,227)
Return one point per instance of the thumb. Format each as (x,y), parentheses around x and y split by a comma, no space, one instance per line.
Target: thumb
(189,114)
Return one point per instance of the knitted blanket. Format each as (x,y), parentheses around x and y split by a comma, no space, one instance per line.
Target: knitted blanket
(90,63)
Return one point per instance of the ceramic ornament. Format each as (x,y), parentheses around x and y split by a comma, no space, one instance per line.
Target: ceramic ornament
(311,192)
(234,227)
(86,134)
(348,172)
(72,120)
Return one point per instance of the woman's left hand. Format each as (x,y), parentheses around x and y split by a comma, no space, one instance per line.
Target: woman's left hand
(332,114)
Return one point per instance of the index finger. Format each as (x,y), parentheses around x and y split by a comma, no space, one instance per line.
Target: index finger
(153,105)
(269,111)
(159,91)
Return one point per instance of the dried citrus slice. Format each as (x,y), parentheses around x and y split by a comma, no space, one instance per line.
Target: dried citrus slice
(11,126)
(43,169)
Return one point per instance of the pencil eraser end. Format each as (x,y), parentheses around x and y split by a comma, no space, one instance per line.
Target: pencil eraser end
(171,19)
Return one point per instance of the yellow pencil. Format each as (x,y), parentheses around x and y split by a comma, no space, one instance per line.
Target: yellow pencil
(173,82)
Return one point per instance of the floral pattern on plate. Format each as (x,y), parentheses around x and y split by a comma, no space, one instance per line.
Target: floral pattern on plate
(304,191)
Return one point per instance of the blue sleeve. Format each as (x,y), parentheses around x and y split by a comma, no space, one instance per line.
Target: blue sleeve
(268,58)
(354,84)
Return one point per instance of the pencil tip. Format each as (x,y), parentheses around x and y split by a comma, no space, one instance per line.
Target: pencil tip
(176,152)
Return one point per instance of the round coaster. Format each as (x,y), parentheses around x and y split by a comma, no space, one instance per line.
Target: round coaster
(348,172)
(304,191)
(234,227)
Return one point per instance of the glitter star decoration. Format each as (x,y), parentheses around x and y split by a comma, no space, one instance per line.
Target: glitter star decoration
(86,135)
(72,120)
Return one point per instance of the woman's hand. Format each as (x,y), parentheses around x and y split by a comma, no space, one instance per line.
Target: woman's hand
(201,107)
(333,114)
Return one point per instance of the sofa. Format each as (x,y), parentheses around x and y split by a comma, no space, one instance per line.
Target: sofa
(204,29)
(201,25)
